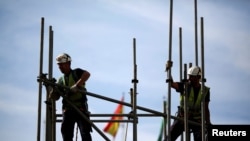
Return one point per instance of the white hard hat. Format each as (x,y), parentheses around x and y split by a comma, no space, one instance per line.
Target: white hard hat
(194,71)
(63,58)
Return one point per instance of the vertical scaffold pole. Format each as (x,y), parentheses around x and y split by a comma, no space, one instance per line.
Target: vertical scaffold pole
(186,108)
(180,61)
(40,83)
(135,81)
(48,134)
(180,51)
(49,109)
(50,76)
(196,32)
(203,81)
(169,71)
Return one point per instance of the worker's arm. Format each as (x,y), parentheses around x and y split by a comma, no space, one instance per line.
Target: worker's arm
(81,81)
(174,85)
(207,113)
(84,77)
(53,94)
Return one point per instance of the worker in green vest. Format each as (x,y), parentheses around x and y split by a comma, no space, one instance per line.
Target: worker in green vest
(75,79)
(194,99)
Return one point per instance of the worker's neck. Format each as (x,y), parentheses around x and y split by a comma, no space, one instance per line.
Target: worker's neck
(67,72)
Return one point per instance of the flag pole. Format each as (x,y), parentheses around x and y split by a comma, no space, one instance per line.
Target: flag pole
(126,131)
(165,117)
(122,124)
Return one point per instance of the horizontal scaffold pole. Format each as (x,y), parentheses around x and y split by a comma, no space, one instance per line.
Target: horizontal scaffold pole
(156,113)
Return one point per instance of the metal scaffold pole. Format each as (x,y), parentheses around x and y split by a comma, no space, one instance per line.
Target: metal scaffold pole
(40,83)
(169,71)
(180,51)
(52,108)
(49,107)
(180,61)
(203,81)
(196,32)
(186,109)
(51,116)
(135,81)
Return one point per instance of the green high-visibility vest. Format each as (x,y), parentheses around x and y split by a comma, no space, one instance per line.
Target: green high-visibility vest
(76,98)
(194,107)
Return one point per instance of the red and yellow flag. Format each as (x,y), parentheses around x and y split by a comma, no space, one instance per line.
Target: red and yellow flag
(112,127)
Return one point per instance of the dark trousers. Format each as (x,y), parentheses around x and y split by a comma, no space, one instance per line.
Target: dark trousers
(70,117)
(177,129)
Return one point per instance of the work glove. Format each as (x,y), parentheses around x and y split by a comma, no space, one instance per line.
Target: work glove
(169,65)
(53,94)
(74,88)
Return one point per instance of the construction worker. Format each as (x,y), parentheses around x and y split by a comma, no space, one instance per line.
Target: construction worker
(75,79)
(194,99)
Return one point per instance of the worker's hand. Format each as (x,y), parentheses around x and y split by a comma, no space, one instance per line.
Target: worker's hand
(53,94)
(74,88)
(169,65)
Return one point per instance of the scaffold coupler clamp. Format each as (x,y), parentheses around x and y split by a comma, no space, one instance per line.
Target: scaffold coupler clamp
(132,116)
(135,81)
(41,77)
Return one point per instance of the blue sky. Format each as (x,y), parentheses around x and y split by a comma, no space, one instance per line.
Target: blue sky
(98,34)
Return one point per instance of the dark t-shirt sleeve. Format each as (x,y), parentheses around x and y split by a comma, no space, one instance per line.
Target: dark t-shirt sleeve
(181,87)
(79,72)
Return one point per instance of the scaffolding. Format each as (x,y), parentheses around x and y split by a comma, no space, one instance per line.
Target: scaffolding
(48,81)
(51,117)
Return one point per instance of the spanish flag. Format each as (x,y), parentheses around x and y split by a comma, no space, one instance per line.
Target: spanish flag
(112,127)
